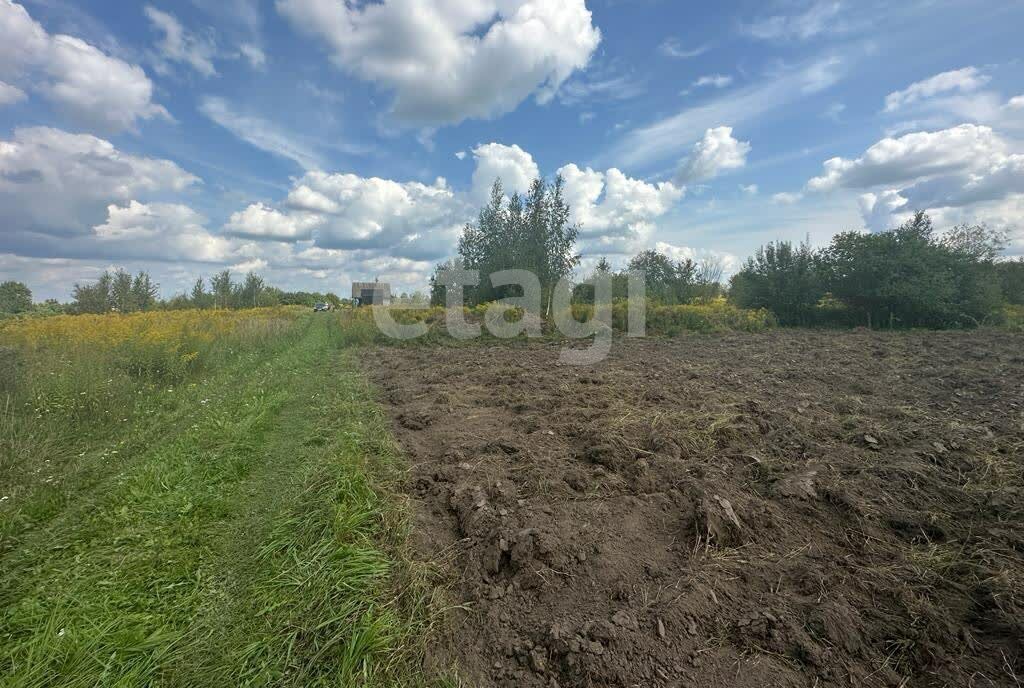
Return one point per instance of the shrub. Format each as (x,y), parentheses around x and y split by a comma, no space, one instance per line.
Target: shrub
(782,279)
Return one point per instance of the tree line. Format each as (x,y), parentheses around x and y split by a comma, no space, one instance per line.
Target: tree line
(119,291)
(909,276)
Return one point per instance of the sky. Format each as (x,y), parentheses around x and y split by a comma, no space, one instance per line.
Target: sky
(319,142)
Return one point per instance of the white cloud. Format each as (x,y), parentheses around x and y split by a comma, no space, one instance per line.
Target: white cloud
(816,19)
(749,189)
(717,152)
(729,262)
(964,80)
(160,231)
(261,133)
(671,47)
(787,198)
(262,222)
(602,85)
(461,155)
(668,138)
(1015,103)
(715,80)
(180,45)
(253,54)
(616,214)
(338,217)
(958,167)
(55,182)
(10,95)
(408,219)
(449,61)
(914,156)
(514,166)
(92,87)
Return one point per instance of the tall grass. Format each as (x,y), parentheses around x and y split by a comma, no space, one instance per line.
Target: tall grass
(230,522)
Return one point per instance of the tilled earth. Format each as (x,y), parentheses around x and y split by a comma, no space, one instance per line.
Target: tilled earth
(785,509)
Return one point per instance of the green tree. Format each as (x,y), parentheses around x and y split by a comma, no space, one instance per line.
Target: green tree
(251,290)
(1011,280)
(782,278)
(15,297)
(93,298)
(528,233)
(222,289)
(144,292)
(199,298)
(121,296)
(910,277)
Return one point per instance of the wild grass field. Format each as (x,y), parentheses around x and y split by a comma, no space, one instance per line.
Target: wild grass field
(199,498)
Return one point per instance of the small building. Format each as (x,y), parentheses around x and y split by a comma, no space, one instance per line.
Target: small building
(371,293)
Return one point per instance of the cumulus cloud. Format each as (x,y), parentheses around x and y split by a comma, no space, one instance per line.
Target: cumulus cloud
(951,168)
(179,45)
(514,166)
(449,61)
(616,214)
(1015,103)
(10,95)
(717,152)
(95,89)
(409,219)
(259,221)
(160,231)
(913,156)
(344,217)
(55,182)
(964,80)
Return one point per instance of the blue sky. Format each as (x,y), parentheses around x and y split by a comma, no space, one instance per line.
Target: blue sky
(319,143)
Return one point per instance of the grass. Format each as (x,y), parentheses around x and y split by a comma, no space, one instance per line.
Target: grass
(234,525)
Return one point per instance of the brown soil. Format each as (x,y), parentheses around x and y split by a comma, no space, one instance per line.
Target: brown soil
(788,509)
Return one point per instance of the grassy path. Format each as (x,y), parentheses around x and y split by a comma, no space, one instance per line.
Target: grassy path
(252,541)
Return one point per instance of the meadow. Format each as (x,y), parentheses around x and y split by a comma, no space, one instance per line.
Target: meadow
(199,498)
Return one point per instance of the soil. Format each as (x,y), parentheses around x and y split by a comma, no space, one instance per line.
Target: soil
(794,508)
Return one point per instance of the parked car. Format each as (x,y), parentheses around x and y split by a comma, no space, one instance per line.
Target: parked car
(321,306)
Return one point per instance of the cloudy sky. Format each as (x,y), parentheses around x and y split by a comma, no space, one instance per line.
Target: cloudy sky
(322,141)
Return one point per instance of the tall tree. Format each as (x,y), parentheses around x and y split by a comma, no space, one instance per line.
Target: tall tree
(529,233)
(252,288)
(222,289)
(144,291)
(198,298)
(121,295)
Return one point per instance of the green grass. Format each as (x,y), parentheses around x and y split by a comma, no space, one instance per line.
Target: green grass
(235,529)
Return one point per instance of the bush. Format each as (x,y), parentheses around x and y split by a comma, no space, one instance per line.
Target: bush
(782,279)
(713,315)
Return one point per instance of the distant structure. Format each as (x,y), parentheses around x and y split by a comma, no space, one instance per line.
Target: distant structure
(371,293)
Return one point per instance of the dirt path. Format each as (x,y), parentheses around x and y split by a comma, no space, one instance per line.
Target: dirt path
(789,509)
